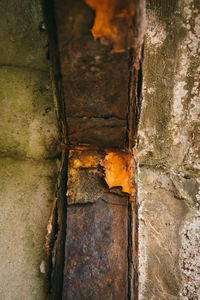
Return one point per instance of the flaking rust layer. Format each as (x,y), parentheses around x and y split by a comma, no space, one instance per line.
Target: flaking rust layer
(95,39)
(112,21)
(119,171)
(120,23)
(115,168)
(97,225)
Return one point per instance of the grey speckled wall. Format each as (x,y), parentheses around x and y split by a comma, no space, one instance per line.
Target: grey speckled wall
(29,140)
(168,176)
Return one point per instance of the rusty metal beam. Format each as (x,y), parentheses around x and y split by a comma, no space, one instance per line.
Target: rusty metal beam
(99,47)
(96,264)
(97,58)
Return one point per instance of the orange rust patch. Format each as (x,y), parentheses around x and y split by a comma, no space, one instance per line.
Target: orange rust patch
(83,159)
(119,171)
(119,168)
(113,17)
(135,151)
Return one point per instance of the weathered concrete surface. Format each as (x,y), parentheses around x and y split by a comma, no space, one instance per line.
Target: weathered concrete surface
(22,36)
(168,154)
(28,123)
(26,192)
(29,140)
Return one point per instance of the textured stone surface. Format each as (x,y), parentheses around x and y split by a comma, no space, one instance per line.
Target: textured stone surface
(168,153)
(26,190)
(160,217)
(28,122)
(29,141)
(21,33)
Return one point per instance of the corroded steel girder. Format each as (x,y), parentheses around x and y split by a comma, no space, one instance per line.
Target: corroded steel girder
(99,44)
(96,264)
(96,251)
(99,48)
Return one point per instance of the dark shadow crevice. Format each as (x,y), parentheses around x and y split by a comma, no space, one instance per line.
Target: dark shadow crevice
(55,246)
(129,253)
(135,103)
(57,257)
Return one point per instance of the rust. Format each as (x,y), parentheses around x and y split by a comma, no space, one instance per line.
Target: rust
(83,167)
(96,76)
(94,80)
(100,92)
(97,132)
(86,164)
(96,252)
(112,22)
(84,159)
(96,264)
(119,171)
(121,23)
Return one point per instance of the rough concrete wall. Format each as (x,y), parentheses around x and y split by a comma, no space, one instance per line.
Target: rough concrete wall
(29,140)
(168,153)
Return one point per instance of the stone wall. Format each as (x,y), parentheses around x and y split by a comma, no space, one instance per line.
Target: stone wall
(168,196)
(28,149)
